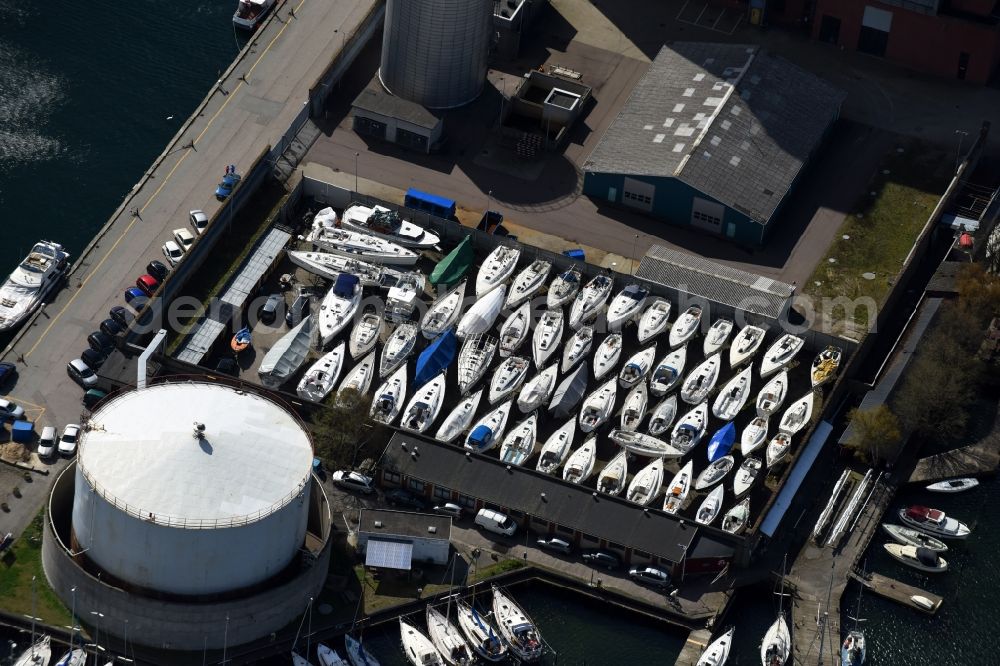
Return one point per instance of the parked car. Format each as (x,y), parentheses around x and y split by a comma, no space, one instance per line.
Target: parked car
(354,481)
(111,327)
(101,342)
(136,298)
(92,397)
(449,509)
(227,185)
(556,544)
(183,238)
(10,411)
(269,311)
(81,372)
(400,497)
(603,559)
(67,443)
(650,576)
(299,310)
(6,541)
(47,442)
(228,366)
(8,371)
(496,522)
(122,315)
(158,269)
(198,220)
(148,284)
(172,252)
(93,359)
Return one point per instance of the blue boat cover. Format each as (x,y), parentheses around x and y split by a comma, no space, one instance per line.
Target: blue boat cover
(722,442)
(481,436)
(438,356)
(344,287)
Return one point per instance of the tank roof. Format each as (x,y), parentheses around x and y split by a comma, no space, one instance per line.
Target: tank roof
(140,452)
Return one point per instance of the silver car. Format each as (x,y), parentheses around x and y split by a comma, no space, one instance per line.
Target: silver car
(81,373)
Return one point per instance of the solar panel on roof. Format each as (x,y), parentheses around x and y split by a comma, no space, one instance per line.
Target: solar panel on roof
(389,554)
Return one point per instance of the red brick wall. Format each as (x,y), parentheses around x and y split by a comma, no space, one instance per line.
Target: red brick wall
(980,7)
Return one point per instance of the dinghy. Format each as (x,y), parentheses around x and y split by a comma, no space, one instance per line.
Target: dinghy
(934,521)
(733,396)
(668,371)
(597,407)
(710,506)
(634,409)
(556,448)
(473,360)
(480,634)
(402,298)
(645,485)
(398,348)
(444,313)
(701,381)
(488,431)
(607,355)
(322,376)
(717,336)
(771,397)
(435,358)
(690,428)
(563,289)
(365,333)
(777,449)
(385,223)
(482,315)
(754,436)
(447,639)
(538,391)
(746,475)
(514,330)
(677,490)
(590,301)
(662,416)
(797,416)
(287,355)
(528,282)
(338,307)
(580,464)
(357,382)
(519,444)
(577,348)
(569,392)
(364,247)
(921,559)
(496,268)
(953,485)
(419,649)
(329,266)
(612,478)
(508,378)
(547,336)
(460,418)
(425,405)
(722,442)
(626,306)
(637,367)
(777,644)
(780,354)
(912,537)
(745,345)
(389,397)
(824,366)
(717,651)
(686,326)
(654,320)
(644,445)
(736,518)
(714,472)
(516,627)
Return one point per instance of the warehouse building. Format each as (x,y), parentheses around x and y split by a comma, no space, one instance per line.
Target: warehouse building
(714,136)
(396,539)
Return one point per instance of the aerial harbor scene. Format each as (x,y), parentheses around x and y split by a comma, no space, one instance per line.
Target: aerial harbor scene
(452,332)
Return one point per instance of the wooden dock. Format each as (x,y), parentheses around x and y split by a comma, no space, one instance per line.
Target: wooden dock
(894,590)
(981,458)
(696,643)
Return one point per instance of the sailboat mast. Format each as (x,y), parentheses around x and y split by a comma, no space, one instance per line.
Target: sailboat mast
(34,600)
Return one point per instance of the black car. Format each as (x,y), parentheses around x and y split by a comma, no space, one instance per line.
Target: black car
(603,559)
(269,311)
(93,359)
(101,342)
(111,327)
(400,497)
(122,315)
(157,269)
(555,544)
(8,371)
(228,366)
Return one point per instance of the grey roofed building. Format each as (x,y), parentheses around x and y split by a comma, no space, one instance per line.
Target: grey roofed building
(389,522)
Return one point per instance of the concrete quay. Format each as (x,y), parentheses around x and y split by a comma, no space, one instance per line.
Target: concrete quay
(973,460)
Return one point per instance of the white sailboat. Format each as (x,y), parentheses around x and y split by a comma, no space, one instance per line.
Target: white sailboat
(662,416)
(460,418)
(690,428)
(668,371)
(777,644)
(754,435)
(645,485)
(398,347)
(717,336)
(909,536)
(425,405)
(28,285)
(357,653)
(482,315)
(717,651)
(654,320)
(569,392)
(780,353)
(597,406)
(473,360)
(590,301)
(746,475)
(607,355)
(338,307)
(443,314)
(361,246)
(516,627)
(496,268)
(556,448)
(577,347)
(322,376)
(701,380)
(488,431)
(737,517)
(563,289)
(745,345)
(514,330)
(328,265)
(479,633)
(771,397)
(797,416)
(626,306)
(75,657)
(385,223)
(508,378)
(686,326)
(287,355)
(519,444)
(527,283)
(637,367)
(644,445)
(538,390)
(677,490)
(580,464)
(358,380)
(447,639)
(419,649)
(389,397)
(733,395)
(824,366)
(714,473)
(777,448)
(634,408)
(547,336)
(39,653)
(709,509)
(329,657)
(611,480)
(365,333)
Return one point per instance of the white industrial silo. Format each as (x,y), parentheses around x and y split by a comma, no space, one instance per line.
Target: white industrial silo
(191,489)
(434,52)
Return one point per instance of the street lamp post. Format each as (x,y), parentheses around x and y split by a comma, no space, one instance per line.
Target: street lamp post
(961,138)
(635,242)
(356,156)
(684,557)
(97,632)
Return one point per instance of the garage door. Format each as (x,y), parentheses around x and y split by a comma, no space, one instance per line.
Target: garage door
(707,215)
(638,194)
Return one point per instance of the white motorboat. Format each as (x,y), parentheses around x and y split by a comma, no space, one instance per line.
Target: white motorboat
(398,347)
(637,367)
(825,365)
(607,355)
(662,416)
(547,336)
(538,390)
(668,371)
(480,633)
(488,431)
(626,306)
(519,444)
(590,301)
(445,311)
(912,537)
(508,378)
(329,657)
(677,490)
(447,639)
(39,653)
(460,418)
(611,480)
(297,660)
(746,475)
(563,289)
(322,375)
(717,336)
(402,298)
(75,657)
(923,602)
(419,649)
(577,347)
(556,448)
(250,13)
(714,473)
(777,644)
(634,408)
(777,449)
(733,396)
(28,285)
(654,320)
(597,406)
(527,283)
(389,397)
(690,428)
(357,381)
(356,245)
(480,318)
(365,333)
(701,380)
(473,360)
(797,416)
(772,396)
(710,506)
(357,653)
(737,517)
(745,345)
(496,268)
(580,464)
(328,265)
(953,485)
(934,521)
(514,330)
(569,392)
(644,445)
(385,223)
(754,435)
(922,559)
(852,650)
(645,485)
(516,627)
(287,355)
(717,651)
(686,326)
(780,354)
(425,405)
(338,307)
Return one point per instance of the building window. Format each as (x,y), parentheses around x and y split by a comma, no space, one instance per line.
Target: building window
(642,554)
(565,530)
(416,485)
(391,477)
(467,501)
(442,493)
(638,198)
(516,514)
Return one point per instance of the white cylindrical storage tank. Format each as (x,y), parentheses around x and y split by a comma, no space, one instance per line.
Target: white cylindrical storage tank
(191,488)
(434,52)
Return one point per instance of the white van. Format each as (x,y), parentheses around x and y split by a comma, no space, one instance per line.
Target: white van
(47,442)
(496,522)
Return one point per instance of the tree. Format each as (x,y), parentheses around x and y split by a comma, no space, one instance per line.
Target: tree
(875,434)
(339,431)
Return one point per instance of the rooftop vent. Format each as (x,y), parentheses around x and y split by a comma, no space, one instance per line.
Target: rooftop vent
(432,529)
(378,523)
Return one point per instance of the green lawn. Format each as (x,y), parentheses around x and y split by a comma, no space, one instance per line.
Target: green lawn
(391,590)
(17,567)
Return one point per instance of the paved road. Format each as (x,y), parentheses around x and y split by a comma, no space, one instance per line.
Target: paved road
(252,108)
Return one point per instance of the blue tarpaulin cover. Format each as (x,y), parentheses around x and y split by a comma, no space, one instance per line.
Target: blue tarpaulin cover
(722,442)
(438,356)
(345,285)
(22,431)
